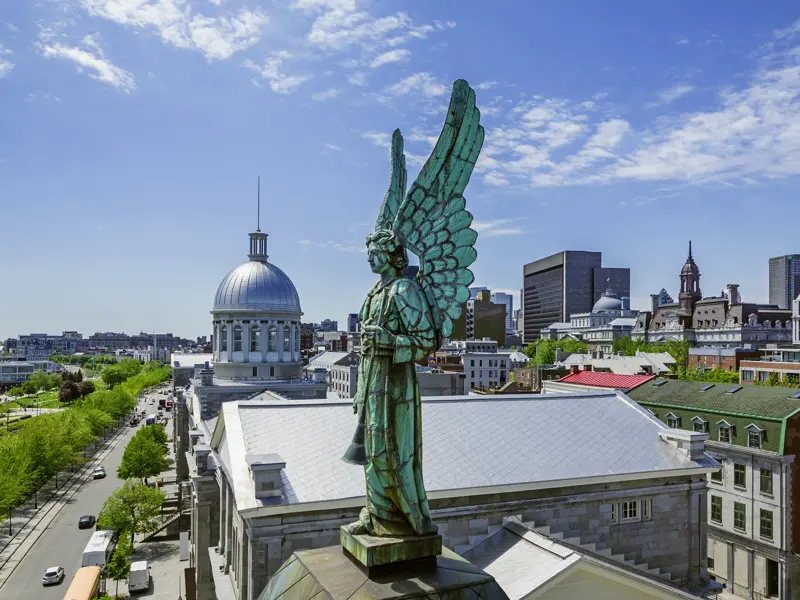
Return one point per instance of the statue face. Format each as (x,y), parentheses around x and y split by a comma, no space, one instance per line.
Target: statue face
(378,259)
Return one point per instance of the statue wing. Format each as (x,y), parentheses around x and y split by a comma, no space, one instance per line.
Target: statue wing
(432,220)
(397,185)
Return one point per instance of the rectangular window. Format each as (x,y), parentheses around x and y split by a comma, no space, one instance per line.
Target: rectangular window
(765,480)
(255,371)
(272,371)
(739,476)
(502,364)
(747,376)
(700,426)
(673,422)
(725,435)
(710,563)
(614,517)
(629,511)
(739,516)
(765,524)
(647,509)
(716,476)
(754,439)
(716,509)
(472,363)
(762,376)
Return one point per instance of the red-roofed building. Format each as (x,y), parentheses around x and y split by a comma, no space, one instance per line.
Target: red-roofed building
(581,381)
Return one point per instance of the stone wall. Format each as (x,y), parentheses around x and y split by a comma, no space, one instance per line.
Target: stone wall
(673,539)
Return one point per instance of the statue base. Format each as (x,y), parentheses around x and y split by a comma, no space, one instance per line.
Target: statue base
(380,555)
(332,574)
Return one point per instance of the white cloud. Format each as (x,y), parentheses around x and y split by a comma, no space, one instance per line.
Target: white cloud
(669,96)
(333,246)
(358,78)
(319,5)
(683,41)
(328,94)
(383,140)
(90,58)
(270,70)
(5,64)
(333,147)
(217,38)
(392,56)
(423,83)
(752,134)
(485,85)
(13,28)
(496,228)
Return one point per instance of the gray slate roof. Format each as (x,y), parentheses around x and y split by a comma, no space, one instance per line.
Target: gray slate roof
(469,442)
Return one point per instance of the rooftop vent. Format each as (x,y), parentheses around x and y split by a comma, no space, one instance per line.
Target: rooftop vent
(660,382)
(266,472)
(705,388)
(734,389)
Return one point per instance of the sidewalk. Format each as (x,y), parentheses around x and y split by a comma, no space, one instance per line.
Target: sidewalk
(31,519)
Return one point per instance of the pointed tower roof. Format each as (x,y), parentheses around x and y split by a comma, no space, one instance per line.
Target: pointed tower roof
(690,267)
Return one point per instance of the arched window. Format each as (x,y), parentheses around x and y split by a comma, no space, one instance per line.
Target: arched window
(255,339)
(286,339)
(272,339)
(237,338)
(297,338)
(223,339)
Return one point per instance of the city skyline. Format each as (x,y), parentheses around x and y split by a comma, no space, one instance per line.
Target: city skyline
(627,132)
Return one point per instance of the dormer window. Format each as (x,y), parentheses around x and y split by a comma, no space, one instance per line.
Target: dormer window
(699,425)
(673,421)
(755,436)
(724,432)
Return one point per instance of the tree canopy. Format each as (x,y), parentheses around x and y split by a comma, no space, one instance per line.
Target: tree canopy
(543,351)
(119,567)
(133,508)
(143,457)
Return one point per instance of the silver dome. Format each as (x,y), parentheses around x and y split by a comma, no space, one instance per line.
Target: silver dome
(607,303)
(257,286)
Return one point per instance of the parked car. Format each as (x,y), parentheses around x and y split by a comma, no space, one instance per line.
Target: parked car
(53,576)
(99,473)
(86,522)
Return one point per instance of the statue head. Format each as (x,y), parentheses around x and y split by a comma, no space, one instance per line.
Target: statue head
(385,251)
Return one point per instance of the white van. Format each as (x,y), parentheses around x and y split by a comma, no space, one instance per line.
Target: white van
(139,578)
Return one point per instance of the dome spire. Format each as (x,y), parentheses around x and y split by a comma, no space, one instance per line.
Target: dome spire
(258,239)
(690,250)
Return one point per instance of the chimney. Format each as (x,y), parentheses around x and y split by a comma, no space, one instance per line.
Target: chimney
(691,443)
(653,303)
(320,375)
(201,454)
(207,376)
(733,293)
(626,303)
(573,369)
(266,472)
(588,367)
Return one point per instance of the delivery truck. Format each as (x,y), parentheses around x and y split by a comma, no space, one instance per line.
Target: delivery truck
(139,578)
(99,549)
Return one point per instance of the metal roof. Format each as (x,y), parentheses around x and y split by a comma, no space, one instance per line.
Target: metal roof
(469,442)
(753,400)
(606,380)
(257,286)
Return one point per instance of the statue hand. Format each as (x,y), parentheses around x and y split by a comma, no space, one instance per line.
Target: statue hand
(377,337)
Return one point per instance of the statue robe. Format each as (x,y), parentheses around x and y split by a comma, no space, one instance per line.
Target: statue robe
(388,402)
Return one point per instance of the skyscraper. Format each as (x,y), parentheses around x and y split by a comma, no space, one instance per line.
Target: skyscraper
(784,280)
(563,284)
(353,323)
(508,300)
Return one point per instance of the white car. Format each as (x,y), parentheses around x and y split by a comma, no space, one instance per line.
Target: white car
(99,473)
(53,576)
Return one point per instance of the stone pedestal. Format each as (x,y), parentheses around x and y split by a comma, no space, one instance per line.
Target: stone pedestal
(381,555)
(332,574)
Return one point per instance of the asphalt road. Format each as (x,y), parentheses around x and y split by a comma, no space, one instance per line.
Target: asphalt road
(62,543)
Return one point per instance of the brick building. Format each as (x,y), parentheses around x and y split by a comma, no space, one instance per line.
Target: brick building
(727,359)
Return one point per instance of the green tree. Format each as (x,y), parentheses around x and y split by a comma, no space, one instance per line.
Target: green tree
(113,376)
(119,567)
(16,392)
(85,388)
(68,392)
(52,382)
(133,508)
(773,379)
(30,387)
(38,379)
(543,351)
(143,457)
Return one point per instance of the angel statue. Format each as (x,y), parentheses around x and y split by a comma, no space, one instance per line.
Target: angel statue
(404,320)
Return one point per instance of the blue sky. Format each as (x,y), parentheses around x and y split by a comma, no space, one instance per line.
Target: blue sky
(132,131)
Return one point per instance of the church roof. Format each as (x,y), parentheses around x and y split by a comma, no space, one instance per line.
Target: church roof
(488,442)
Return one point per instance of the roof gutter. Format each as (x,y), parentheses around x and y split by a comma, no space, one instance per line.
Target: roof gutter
(358,501)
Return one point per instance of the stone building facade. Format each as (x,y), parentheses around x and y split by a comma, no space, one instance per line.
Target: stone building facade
(718,321)
(275,496)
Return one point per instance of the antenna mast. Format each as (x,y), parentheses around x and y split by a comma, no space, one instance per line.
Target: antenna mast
(258,221)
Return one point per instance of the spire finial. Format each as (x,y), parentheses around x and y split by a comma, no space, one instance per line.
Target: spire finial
(690,249)
(258,217)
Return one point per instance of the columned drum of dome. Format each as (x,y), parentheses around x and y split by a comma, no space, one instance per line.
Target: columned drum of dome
(256,320)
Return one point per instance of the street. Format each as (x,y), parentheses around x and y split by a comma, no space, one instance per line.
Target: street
(62,543)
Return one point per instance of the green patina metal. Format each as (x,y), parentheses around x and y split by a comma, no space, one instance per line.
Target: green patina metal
(405,320)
